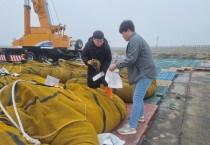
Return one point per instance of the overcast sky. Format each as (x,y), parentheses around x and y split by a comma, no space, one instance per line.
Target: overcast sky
(174,22)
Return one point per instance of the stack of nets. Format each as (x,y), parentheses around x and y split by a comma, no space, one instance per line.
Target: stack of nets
(74,114)
(125,93)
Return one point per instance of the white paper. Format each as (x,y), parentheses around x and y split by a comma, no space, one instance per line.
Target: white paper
(99,75)
(4,71)
(51,81)
(116,70)
(109,139)
(15,74)
(113,79)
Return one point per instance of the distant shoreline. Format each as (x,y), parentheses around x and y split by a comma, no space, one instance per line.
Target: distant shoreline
(184,51)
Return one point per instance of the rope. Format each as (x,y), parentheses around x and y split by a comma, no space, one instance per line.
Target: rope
(51,18)
(6,113)
(55,11)
(20,127)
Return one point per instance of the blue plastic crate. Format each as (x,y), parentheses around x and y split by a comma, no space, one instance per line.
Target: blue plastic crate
(166,75)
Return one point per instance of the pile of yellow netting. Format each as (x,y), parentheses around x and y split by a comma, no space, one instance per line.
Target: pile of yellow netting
(125,93)
(10,135)
(66,115)
(73,72)
(64,70)
(71,115)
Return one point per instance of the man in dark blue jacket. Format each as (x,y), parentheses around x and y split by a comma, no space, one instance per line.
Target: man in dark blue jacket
(97,48)
(141,70)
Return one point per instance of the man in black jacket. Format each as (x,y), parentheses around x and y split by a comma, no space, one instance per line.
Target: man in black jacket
(97,48)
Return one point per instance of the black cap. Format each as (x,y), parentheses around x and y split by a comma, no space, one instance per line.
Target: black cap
(98,34)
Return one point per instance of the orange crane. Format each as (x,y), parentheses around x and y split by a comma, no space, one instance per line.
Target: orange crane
(46,41)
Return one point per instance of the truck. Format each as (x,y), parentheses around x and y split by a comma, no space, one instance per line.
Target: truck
(45,42)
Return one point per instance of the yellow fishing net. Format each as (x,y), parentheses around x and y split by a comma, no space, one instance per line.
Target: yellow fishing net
(73,115)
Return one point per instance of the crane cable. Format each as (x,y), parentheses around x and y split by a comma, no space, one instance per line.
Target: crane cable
(55,11)
(51,18)
(20,127)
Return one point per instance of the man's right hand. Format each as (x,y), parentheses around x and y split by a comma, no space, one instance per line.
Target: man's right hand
(112,67)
